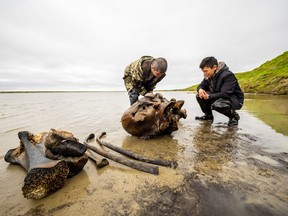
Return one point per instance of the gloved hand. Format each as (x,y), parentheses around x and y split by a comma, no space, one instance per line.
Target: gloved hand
(133,96)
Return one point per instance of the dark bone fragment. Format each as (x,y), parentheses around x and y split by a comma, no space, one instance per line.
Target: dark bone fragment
(133,164)
(99,162)
(133,155)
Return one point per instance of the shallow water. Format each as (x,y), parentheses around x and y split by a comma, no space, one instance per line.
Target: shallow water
(214,153)
(272,110)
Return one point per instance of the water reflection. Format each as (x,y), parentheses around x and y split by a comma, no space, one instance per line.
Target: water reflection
(215,146)
(164,147)
(271,109)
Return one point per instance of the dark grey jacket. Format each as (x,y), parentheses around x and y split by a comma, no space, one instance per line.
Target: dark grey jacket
(224,84)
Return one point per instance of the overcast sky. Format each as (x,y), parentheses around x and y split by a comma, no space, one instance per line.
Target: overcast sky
(86,44)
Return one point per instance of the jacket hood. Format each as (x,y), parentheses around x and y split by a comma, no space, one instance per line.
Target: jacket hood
(220,68)
(221,65)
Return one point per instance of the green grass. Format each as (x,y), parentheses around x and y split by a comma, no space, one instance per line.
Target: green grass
(270,78)
(191,88)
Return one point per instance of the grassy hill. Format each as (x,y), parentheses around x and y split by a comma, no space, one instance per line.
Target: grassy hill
(270,78)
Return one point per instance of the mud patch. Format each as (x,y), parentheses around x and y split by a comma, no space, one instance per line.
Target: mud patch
(37,211)
(195,197)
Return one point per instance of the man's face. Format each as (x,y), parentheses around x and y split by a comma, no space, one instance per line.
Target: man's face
(209,72)
(155,72)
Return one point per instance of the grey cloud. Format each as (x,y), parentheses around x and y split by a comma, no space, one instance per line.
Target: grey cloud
(86,45)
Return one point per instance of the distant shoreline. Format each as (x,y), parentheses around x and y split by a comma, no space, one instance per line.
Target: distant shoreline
(72,91)
(52,91)
(48,91)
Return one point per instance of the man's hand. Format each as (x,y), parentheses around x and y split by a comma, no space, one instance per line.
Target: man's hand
(149,94)
(203,94)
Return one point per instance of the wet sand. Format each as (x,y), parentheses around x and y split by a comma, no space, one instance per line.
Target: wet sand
(222,170)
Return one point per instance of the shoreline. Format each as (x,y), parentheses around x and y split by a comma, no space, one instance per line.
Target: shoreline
(101,91)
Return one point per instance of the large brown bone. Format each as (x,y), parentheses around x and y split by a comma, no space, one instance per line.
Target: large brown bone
(47,172)
(44,176)
(153,115)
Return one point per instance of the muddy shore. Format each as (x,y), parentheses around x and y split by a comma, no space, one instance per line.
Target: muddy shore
(222,170)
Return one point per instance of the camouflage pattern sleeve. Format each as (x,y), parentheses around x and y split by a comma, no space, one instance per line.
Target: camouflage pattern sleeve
(133,75)
(149,86)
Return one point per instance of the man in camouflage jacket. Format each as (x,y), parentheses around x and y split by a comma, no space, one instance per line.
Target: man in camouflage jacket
(141,76)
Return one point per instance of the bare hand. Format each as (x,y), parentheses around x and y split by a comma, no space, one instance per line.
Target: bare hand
(203,94)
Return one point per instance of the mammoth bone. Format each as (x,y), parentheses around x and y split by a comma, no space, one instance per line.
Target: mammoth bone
(148,168)
(135,156)
(153,115)
(48,159)
(51,158)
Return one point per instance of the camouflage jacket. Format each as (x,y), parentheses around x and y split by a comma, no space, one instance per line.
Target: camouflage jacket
(136,78)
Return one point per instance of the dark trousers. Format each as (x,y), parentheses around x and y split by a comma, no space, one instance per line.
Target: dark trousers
(221,105)
(133,96)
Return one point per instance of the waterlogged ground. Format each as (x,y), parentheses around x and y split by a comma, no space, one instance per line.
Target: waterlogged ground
(221,171)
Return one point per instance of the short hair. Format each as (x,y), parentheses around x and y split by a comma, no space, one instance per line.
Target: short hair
(160,64)
(208,62)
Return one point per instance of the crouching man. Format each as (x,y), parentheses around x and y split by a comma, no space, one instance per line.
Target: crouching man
(219,91)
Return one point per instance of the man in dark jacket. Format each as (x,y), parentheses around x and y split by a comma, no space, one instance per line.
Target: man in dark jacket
(219,91)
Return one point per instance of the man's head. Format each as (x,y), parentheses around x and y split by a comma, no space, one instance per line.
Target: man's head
(159,66)
(209,65)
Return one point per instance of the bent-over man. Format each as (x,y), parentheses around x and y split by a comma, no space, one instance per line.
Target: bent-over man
(141,76)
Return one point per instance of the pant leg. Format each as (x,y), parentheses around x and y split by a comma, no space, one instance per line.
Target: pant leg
(205,105)
(224,107)
(133,96)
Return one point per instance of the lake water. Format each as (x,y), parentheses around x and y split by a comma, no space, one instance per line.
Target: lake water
(261,137)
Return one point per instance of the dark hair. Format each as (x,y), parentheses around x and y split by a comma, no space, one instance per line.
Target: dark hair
(160,64)
(208,62)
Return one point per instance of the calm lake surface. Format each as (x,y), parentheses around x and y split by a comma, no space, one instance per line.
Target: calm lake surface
(261,137)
